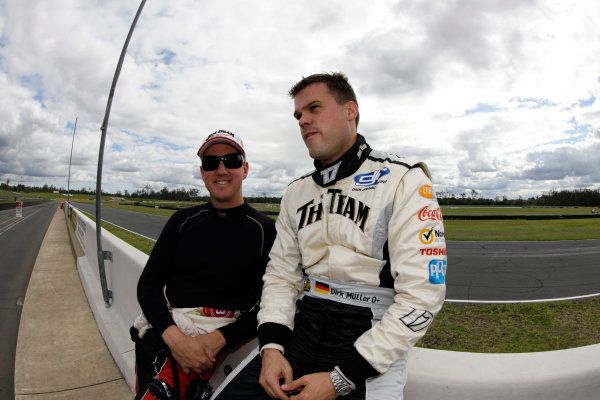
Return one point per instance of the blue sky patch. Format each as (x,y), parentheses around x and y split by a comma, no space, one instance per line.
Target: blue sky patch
(587,102)
(532,102)
(34,83)
(482,108)
(167,56)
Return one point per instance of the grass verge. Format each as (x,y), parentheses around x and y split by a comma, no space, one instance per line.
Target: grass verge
(522,230)
(515,328)
(140,243)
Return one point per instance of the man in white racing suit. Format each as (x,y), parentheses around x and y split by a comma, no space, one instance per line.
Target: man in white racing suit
(355,276)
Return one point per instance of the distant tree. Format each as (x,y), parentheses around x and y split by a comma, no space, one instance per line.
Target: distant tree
(164,193)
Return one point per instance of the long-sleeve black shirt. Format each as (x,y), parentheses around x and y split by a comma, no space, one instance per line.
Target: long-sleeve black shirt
(208,257)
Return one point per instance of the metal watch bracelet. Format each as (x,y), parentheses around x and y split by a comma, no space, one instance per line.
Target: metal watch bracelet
(342,385)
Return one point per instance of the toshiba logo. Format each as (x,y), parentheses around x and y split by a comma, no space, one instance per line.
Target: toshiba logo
(433,214)
(433,252)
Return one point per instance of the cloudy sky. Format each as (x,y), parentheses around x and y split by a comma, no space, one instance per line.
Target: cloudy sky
(497,96)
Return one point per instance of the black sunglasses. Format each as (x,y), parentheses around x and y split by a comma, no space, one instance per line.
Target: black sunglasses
(231,161)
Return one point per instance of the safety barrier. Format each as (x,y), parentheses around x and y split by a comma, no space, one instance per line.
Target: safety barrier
(432,374)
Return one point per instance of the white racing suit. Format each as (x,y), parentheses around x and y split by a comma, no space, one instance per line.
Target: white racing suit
(364,237)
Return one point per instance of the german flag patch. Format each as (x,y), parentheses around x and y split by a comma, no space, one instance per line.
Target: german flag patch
(321,287)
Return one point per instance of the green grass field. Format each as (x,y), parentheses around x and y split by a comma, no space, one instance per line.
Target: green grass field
(522,230)
(515,328)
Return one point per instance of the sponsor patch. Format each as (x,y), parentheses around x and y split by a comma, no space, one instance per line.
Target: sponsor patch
(433,252)
(339,203)
(371,178)
(437,271)
(213,312)
(427,192)
(417,320)
(426,236)
(430,214)
(321,287)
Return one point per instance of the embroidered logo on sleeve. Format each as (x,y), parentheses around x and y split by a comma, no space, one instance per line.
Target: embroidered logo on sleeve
(417,320)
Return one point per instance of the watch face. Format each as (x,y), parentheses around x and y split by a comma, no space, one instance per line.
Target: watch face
(344,390)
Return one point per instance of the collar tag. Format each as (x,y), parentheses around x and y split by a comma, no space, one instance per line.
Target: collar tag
(329,174)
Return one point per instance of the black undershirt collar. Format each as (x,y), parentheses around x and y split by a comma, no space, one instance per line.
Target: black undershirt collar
(346,165)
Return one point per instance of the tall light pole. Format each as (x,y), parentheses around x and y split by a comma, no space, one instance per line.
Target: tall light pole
(70,159)
(102,255)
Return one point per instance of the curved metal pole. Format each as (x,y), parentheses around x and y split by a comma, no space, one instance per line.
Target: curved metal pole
(70,159)
(102,255)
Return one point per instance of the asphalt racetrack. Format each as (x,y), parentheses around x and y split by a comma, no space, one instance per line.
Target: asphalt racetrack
(477,271)
(20,241)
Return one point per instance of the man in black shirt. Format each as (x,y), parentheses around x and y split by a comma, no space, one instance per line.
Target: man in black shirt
(200,287)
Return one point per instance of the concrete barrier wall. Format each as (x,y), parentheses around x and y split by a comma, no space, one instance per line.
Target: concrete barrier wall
(572,374)
(552,375)
(122,274)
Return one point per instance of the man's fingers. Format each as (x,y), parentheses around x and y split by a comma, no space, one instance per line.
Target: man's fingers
(293,385)
(273,388)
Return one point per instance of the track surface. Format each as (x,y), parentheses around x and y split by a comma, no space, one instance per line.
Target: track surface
(20,241)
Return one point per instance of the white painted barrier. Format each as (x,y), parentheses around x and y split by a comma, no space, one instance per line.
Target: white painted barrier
(572,374)
(122,274)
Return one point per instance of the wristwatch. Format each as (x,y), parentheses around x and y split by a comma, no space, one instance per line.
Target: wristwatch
(342,385)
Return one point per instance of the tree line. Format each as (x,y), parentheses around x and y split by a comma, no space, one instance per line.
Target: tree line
(576,197)
(552,198)
(145,193)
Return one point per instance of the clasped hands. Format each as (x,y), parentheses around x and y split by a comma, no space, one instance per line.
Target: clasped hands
(197,354)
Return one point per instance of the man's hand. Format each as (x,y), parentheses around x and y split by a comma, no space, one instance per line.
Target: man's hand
(312,387)
(274,368)
(196,354)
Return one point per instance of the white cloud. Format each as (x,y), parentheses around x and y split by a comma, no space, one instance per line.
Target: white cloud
(500,96)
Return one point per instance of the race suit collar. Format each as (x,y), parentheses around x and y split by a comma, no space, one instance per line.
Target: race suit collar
(229,212)
(346,165)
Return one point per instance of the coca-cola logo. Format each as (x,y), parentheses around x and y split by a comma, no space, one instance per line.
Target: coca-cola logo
(433,214)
